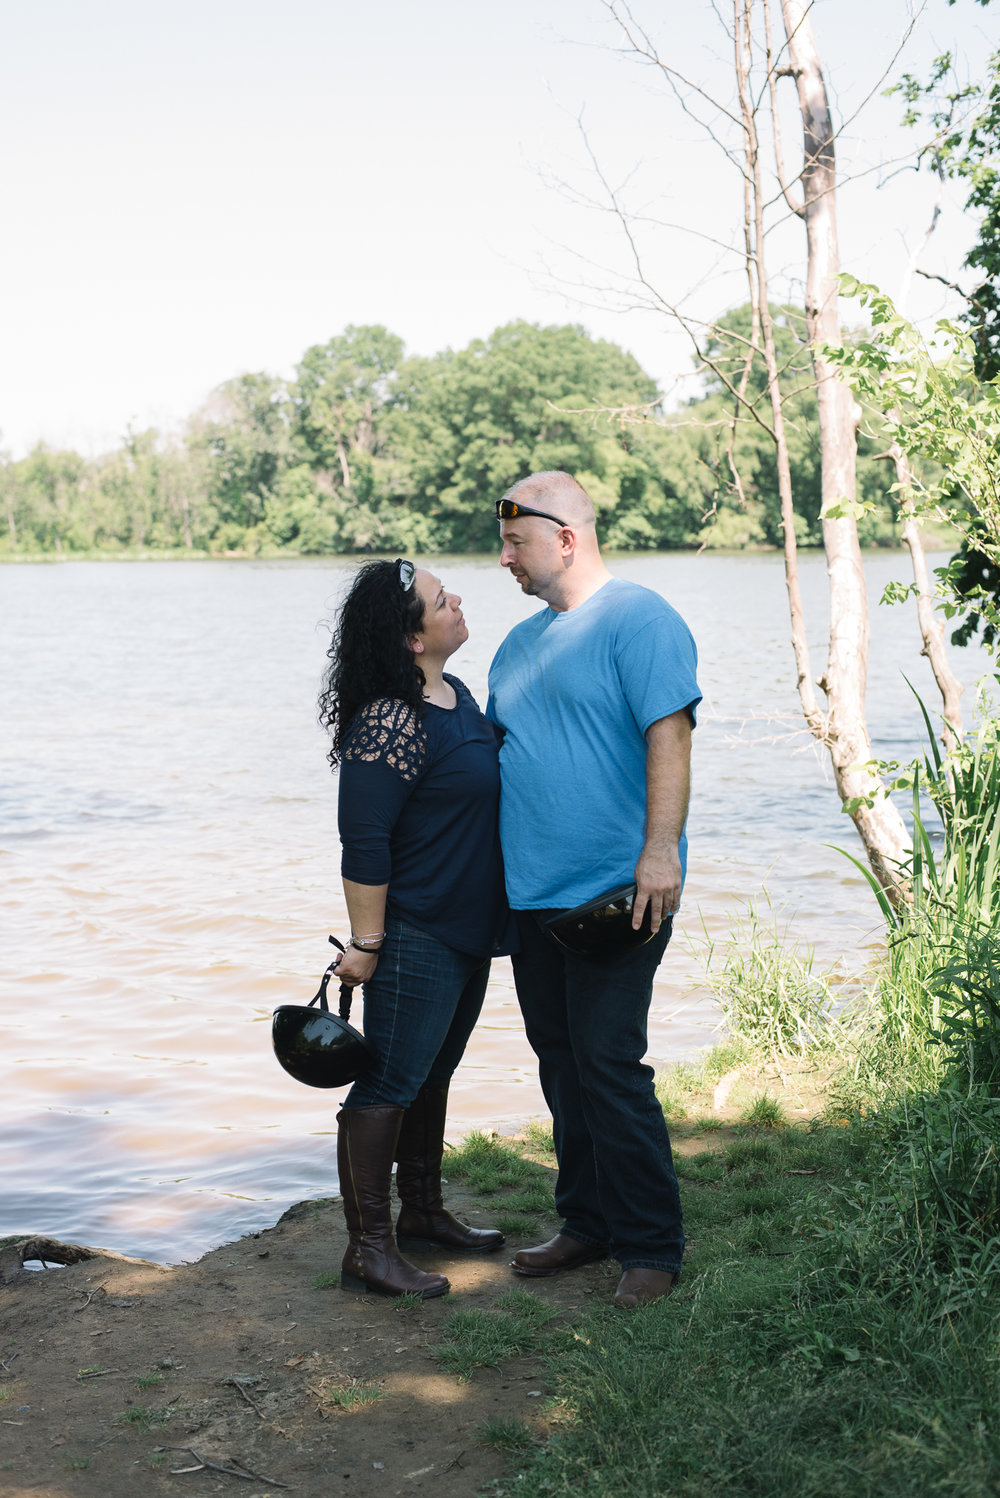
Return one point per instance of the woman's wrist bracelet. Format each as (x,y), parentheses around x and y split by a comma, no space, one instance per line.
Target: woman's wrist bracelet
(367,944)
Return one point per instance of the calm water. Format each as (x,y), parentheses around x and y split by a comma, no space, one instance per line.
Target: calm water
(168,840)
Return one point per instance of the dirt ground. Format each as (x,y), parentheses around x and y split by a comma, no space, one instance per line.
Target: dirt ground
(232,1360)
(121,1378)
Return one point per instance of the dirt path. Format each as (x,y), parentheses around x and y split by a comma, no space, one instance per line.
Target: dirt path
(124,1379)
(238,1359)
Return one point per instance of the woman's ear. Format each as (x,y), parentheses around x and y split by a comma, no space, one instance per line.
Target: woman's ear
(416,644)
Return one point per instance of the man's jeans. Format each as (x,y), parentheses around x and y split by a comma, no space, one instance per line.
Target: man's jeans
(586,1022)
(421,1006)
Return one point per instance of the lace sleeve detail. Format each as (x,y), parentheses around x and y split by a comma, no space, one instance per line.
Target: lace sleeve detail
(388,732)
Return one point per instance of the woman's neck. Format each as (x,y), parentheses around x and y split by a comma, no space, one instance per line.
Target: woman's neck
(436,689)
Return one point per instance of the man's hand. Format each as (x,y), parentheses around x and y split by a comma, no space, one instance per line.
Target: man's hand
(658,877)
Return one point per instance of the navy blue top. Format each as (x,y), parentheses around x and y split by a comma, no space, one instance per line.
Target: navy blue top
(419,801)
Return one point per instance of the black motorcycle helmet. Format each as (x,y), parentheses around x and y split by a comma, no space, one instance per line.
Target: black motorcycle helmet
(603,927)
(316,1047)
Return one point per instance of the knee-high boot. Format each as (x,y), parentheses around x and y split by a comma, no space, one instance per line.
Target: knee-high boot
(424,1223)
(366,1143)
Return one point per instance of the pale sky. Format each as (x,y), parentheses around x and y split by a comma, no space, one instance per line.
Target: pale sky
(210,187)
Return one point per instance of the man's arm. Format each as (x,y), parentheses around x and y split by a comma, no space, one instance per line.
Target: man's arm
(668,782)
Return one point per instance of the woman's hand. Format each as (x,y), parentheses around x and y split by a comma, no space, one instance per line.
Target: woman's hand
(354,966)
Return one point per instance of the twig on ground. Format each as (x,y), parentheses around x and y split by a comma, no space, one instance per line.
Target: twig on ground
(204,1464)
(239,1385)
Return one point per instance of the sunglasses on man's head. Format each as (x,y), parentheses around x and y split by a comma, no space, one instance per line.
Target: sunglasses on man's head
(509,509)
(407,572)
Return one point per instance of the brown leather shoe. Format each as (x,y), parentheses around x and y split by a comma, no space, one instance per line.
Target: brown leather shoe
(556,1256)
(640,1287)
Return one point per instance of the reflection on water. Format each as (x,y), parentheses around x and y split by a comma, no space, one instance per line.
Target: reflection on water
(168,840)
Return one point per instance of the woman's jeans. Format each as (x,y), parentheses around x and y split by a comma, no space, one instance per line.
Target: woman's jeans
(420,1009)
(586,1022)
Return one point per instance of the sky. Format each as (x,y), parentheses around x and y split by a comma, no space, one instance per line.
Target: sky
(202,189)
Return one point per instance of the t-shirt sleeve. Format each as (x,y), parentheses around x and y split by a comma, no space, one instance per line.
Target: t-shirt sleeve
(382,761)
(657,665)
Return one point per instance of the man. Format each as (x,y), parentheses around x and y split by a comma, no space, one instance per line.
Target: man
(596,695)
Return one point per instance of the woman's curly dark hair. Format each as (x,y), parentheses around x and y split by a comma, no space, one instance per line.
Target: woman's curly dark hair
(368,655)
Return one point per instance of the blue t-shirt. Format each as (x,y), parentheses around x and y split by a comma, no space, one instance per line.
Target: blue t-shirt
(418,811)
(575,693)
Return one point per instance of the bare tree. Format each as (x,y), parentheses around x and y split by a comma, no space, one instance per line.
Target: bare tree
(840,724)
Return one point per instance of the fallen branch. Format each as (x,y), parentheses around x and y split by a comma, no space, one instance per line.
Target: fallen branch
(238,1384)
(205,1465)
(16,1252)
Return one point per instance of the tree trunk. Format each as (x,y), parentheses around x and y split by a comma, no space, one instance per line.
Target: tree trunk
(844,681)
(756,264)
(931,628)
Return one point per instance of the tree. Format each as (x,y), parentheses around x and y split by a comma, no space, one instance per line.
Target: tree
(467,425)
(965,146)
(244,434)
(341,391)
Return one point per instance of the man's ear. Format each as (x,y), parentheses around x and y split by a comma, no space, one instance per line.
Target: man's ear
(415,643)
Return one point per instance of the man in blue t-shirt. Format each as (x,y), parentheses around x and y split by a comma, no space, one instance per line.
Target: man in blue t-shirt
(596,695)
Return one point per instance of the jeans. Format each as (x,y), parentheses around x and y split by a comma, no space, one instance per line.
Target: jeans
(586,1022)
(421,1006)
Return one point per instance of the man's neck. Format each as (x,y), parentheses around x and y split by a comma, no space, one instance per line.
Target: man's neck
(575,588)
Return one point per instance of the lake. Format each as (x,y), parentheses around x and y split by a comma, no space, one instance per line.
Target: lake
(169,844)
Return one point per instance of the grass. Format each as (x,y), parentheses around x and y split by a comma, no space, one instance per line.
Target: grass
(355,1395)
(149,1380)
(488,1164)
(802,1356)
(486,1338)
(504,1434)
(326,1281)
(145,1418)
(771,999)
(764,1112)
(409,1301)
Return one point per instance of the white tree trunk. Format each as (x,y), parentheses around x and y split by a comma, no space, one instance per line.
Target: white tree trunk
(844,681)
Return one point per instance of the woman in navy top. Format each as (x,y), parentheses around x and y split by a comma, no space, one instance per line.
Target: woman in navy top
(423,879)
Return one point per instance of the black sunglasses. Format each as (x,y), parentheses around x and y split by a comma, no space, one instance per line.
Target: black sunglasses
(509,509)
(407,572)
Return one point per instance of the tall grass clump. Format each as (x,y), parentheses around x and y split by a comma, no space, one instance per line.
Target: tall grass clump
(772,1001)
(935,1005)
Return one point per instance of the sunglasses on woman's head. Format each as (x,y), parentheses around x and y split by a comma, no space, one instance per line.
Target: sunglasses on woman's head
(509,509)
(407,572)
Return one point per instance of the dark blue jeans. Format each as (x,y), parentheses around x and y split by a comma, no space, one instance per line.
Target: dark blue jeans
(586,1022)
(420,1009)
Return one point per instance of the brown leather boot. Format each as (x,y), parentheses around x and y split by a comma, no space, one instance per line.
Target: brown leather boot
(366,1142)
(424,1222)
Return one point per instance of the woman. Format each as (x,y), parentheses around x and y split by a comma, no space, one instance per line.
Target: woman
(423,879)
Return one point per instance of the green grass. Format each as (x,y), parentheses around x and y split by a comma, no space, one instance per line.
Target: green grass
(149,1380)
(355,1395)
(535,1198)
(504,1434)
(326,1281)
(764,1112)
(410,1301)
(513,1226)
(145,1418)
(488,1164)
(804,1354)
(538,1137)
(487,1338)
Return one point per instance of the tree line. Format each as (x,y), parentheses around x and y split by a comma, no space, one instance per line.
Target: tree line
(368,450)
